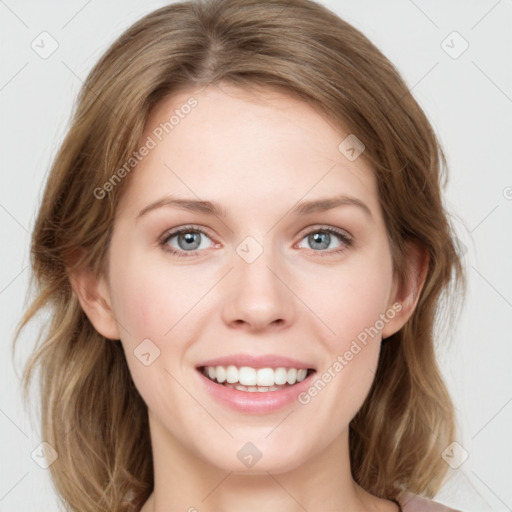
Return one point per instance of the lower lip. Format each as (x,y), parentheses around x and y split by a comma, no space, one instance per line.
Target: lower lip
(256,402)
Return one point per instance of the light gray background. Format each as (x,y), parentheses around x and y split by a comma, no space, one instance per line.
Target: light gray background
(469,101)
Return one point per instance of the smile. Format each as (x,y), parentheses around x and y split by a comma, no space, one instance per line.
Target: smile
(252,380)
(255,384)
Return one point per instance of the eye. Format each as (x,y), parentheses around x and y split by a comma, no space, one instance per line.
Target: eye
(321,238)
(183,240)
(189,239)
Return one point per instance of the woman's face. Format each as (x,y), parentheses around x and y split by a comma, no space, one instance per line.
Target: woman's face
(283,262)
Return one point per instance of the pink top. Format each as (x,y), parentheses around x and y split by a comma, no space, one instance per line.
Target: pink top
(414,503)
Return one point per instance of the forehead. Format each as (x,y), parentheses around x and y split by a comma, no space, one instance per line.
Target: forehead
(244,148)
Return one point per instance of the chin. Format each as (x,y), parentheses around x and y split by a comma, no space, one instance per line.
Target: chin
(258,457)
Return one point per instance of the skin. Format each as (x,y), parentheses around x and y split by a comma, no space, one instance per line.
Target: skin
(257,155)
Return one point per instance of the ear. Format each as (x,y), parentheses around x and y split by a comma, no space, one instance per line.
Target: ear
(94,297)
(404,296)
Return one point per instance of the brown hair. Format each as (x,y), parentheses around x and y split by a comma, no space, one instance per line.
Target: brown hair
(92,413)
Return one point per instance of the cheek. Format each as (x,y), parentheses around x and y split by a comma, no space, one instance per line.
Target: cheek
(351,301)
(151,299)
(152,307)
(157,302)
(354,306)
(358,311)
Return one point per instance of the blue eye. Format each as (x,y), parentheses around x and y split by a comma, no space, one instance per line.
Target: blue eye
(321,238)
(189,239)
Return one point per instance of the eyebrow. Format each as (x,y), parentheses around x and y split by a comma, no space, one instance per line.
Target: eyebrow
(211,208)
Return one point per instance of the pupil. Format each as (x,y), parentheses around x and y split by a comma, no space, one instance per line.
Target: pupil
(189,239)
(322,239)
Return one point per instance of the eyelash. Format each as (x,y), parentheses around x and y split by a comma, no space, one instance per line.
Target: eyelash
(344,237)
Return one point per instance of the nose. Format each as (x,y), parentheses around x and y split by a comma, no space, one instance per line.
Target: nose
(258,295)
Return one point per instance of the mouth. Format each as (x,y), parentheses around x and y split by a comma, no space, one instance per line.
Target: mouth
(255,380)
(253,384)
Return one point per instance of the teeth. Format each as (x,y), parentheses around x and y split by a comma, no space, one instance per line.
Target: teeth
(291,378)
(254,389)
(221,374)
(255,379)
(280,376)
(232,374)
(247,376)
(265,377)
(301,374)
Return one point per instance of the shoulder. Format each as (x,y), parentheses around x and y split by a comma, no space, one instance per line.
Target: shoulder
(414,503)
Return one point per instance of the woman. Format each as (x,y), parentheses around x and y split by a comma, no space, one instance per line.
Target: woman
(243,245)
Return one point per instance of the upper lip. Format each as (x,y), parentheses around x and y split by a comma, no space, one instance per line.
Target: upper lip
(264,361)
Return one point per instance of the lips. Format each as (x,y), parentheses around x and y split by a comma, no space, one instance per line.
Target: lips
(266,361)
(255,384)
